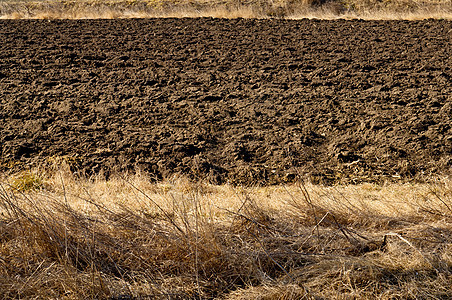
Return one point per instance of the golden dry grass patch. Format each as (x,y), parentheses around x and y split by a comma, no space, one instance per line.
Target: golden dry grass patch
(288,9)
(131,237)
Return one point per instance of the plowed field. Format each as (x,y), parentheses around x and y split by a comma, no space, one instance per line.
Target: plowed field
(244,101)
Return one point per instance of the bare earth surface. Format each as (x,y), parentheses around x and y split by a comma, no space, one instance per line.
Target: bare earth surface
(244,101)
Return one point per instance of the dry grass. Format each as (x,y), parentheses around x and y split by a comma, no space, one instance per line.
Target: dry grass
(129,238)
(291,9)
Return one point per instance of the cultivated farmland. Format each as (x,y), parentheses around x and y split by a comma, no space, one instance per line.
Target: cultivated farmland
(242,101)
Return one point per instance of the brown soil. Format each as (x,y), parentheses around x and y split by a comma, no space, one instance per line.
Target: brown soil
(244,101)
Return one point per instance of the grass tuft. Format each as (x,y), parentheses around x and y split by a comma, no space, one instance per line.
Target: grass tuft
(27,181)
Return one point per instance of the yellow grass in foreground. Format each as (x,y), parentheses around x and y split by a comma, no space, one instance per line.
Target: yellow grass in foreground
(126,238)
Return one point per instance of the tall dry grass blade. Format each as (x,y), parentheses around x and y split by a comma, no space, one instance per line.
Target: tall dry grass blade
(307,199)
(441,200)
(168,217)
(413,247)
(315,228)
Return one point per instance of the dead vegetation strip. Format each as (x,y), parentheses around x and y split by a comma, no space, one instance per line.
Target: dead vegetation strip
(289,9)
(127,238)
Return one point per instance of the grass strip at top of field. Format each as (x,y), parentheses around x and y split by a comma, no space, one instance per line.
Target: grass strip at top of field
(289,9)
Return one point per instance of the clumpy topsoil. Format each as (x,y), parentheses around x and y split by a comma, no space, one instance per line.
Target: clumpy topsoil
(239,101)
